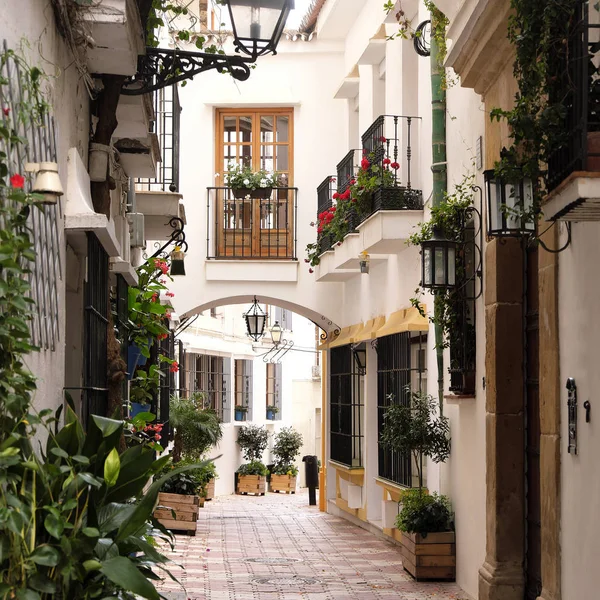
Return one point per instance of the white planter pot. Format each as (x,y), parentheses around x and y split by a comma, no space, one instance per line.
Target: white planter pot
(98,162)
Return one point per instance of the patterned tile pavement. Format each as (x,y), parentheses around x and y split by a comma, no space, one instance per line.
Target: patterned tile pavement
(276,547)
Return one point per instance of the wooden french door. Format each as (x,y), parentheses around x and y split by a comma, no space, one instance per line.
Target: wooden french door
(261,139)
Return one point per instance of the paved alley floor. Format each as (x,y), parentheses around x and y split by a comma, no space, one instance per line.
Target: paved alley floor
(277,547)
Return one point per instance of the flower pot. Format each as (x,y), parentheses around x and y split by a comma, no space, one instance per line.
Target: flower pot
(137,408)
(259,193)
(283,483)
(185,508)
(251,484)
(240,415)
(98,162)
(135,359)
(430,556)
(270,414)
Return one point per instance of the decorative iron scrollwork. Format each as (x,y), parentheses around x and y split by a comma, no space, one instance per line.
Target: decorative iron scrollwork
(161,67)
(572,414)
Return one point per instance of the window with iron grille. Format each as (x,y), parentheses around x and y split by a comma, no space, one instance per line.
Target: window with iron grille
(274,371)
(401,370)
(167,386)
(95,388)
(462,336)
(206,375)
(346,407)
(120,307)
(243,385)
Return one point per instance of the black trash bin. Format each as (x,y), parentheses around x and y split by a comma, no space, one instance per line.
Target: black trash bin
(311,474)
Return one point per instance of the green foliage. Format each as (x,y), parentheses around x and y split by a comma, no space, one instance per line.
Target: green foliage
(197,429)
(254,467)
(417,429)
(238,177)
(192,482)
(253,441)
(423,513)
(287,445)
(284,469)
(539,32)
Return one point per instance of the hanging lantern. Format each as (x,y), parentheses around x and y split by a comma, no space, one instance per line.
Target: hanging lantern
(276,333)
(510,206)
(438,262)
(363,261)
(256,319)
(177,265)
(258,24)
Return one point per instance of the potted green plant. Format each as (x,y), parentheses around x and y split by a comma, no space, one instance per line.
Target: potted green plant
(245,182)
(286,449)
(251,478)
(240,412)
(428,538)
(196,429)
(271,412)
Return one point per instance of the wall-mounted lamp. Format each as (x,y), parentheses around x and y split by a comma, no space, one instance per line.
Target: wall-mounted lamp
(438,262)
(364,259)
(47,181)
(276,333)
(177,264)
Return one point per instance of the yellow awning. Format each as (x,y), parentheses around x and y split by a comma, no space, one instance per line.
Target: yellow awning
(346,336)
(408,319)
(369,329)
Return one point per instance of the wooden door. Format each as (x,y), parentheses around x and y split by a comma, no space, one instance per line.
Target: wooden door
(261,139)
(533,494)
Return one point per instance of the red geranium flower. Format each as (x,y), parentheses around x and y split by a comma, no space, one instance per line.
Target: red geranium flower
(6,111)
(168,315)
(154,297)
(174,368)
(386,161)
(365,164)
(335,196)
(352,181)
(17,181)
(311,271)
(382,139)
(395,165)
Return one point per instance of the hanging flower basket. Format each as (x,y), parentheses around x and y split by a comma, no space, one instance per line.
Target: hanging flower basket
(258,193)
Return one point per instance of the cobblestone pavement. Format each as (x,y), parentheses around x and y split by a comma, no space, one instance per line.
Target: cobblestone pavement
(277,547)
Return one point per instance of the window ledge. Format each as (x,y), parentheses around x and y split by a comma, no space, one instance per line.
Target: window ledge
(347,468)
(459,398)
(252,270)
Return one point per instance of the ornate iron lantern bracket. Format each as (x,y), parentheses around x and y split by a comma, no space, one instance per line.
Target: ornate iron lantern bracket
(161,67)
(177,238)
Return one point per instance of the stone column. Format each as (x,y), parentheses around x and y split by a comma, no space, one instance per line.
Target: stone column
(549,418)
(501,576)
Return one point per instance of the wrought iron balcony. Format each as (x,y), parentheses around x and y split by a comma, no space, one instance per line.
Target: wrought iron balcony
(167,128)
(251,228)
(325,193)
(347,169)
(579,93)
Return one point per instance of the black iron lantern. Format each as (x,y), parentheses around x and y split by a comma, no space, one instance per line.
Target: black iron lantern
(256,319)
(276,333)
(509,206)
(438,262)
(258,24)
(177,264)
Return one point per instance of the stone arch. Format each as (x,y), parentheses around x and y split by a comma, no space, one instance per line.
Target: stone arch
(320,320)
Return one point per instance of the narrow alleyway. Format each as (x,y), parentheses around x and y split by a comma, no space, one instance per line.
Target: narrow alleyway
(277,547)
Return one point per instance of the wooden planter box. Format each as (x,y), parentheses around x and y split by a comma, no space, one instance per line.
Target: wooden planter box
(430,557)
(251,484)
(210,490)
(186,511)
(283,483)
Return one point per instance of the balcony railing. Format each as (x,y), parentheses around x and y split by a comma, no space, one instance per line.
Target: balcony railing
(579,92)
(387,144)
(251,228)
(167,128)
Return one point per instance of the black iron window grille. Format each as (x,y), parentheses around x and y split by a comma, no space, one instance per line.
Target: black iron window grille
(121,319)
(206,375)
(347,169)
(167,387)
(40,146)
(95,385)
(251,227)
(346,408)
(401,370)
(462,333)
(167,126)
(244,386)
(578,91)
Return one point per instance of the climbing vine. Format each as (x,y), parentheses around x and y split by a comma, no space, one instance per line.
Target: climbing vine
(539,32)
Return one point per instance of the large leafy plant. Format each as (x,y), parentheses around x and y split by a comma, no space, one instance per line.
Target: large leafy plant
(286,448)
(424,513)
(253,441)
(417,429)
